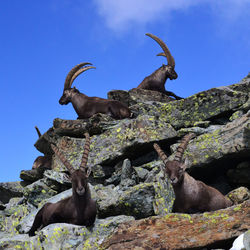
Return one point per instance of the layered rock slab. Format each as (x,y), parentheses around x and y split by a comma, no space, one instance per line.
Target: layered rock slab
(182,231)
(231,140)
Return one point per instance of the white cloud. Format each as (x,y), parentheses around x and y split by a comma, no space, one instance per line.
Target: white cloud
(120,15)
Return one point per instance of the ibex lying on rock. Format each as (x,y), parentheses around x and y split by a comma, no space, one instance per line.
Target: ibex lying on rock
(156,81)
(190,195)
(42,161)
(79,209)
(86,106)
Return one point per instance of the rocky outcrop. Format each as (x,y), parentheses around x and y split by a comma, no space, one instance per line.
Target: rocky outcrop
(181,231)
(127,181)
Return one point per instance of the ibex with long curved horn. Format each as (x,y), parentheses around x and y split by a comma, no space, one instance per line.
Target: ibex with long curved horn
(86,106)
(190,195)
(42,161)
(79,209)
(156,81)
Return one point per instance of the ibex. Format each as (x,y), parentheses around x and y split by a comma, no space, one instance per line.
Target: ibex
(86,106)
(42,161)
(79,209)
(156,81)
(190,195)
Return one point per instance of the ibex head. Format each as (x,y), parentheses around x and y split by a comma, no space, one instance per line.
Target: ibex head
(175,169)
(169,68)
(68,92)
(78,177)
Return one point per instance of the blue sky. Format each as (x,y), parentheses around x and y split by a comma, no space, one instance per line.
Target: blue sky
(42,40)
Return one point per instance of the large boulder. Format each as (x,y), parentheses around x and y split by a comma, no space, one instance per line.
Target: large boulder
(10,190)
(182,231)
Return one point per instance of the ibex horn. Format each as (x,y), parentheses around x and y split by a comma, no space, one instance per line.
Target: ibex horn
(72,72)
(85,154)
(164,47)
(62,159)
(77,73)
(38,131)
(160,152)
(182,147)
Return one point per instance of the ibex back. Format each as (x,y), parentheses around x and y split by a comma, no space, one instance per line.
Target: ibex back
(86,106)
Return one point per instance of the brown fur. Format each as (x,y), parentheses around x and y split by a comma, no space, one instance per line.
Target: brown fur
(79,209)
(42,161)
(190,195)
(156,81)
(86,106)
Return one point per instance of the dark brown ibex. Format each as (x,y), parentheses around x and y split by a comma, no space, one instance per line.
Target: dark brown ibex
(156,81)
(79,209)
(190,195)
(86,106)
(42,161)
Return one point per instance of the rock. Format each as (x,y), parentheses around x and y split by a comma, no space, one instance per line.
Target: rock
(2,206)
(236,115)
(139,201)
(10,190)
(66,236)
(241,174)
(31,175)
(142,173)
(97,124)
(12,205)
(210,147)
(242,242)
(238,243)
(101,173)
(57,181)
(128,177)
(164,195)
(123,141)
(202,106)
(212,229)
(239,195)
(136,201)
(37,192)
(135,96)
(246,240)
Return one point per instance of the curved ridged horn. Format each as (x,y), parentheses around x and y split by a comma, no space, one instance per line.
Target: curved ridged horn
(77,73)
(182,147)
(161,54)
(62,159)
(85,154)
(38,131)
(164,47)
(160,152)
(72,72)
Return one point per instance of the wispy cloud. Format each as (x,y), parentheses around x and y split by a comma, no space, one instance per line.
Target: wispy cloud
(120,15)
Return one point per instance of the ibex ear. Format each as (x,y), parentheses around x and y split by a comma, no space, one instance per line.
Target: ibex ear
(184,164)
(69,177)
(88,172)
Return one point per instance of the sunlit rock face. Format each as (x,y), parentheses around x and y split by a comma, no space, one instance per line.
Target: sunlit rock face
(134,198)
